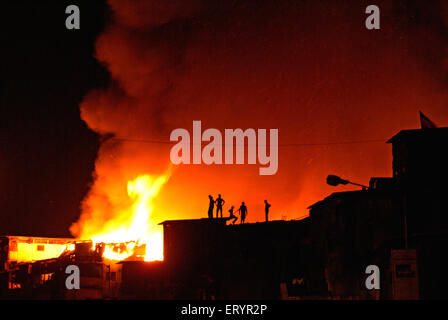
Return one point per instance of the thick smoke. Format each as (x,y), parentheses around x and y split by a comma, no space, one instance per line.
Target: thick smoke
(309,68)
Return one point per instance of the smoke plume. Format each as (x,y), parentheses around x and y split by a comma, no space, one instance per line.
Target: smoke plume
(309,68)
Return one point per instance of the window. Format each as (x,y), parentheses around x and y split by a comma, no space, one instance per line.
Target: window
(13,246)
(40,247)
(404,271)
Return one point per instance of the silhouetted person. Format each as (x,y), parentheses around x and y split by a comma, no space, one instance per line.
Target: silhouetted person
(210,207)
(232,216)
(243,212)
(266,209)
(219,203)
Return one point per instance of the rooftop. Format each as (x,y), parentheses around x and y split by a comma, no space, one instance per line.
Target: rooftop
(413,133)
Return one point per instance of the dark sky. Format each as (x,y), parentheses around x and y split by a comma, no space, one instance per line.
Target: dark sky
(190,57)
(47,152)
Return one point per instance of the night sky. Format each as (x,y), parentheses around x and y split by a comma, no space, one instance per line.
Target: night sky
(47,152)
(309,68)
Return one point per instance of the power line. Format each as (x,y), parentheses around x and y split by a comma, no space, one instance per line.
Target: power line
(280,144)
(329,143)
(142,141)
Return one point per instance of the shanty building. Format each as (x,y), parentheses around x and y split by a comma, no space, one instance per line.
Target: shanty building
(18,249)
(43,276)
(399,224)
(205,259)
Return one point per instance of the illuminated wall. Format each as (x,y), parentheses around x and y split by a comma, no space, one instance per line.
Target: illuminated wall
(28,249)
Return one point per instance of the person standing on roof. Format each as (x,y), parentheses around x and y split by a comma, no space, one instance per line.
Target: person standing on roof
(266,209)
(211,206)
(243,212)
(219,203)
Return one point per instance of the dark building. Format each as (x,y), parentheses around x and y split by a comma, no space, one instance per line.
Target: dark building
(143,280)
(420,157)
(406,212)
(271,260)
(205,259)
(399,224)
(192,256)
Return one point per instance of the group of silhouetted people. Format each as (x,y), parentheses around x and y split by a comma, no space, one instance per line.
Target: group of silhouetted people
(219,203)
(242,209)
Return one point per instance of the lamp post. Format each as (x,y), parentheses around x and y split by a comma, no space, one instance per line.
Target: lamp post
(334,181)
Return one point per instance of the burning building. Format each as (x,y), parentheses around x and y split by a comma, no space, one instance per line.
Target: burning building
(398,224)
(44,277)
(16,250)
(207,259)
(203,259)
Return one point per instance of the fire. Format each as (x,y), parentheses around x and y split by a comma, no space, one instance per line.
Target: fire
(133,232)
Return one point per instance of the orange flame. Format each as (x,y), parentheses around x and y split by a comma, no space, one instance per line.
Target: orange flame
(133,228)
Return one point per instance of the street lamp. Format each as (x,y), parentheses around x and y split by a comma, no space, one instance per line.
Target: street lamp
(334,181)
